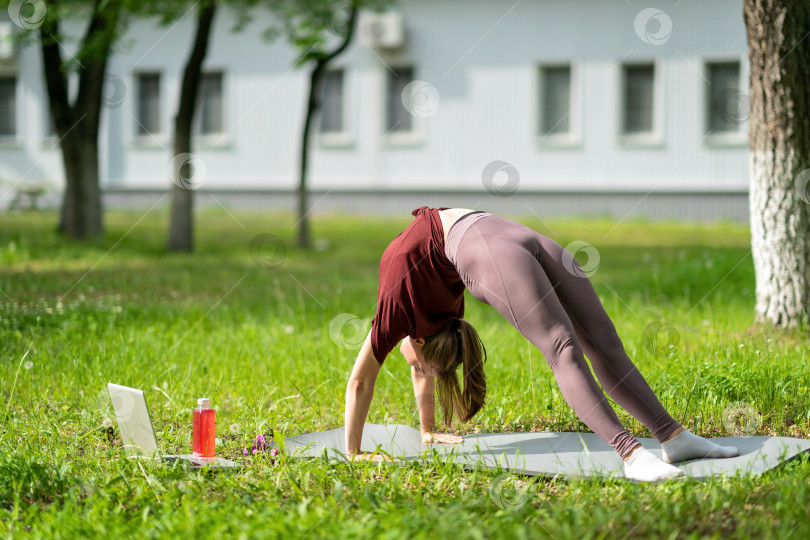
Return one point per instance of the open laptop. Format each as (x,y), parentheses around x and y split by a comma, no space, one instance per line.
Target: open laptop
(138,434)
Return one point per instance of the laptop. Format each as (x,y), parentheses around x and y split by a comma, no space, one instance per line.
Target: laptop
(138,434)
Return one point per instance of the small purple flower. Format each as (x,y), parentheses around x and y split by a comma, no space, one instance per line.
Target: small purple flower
(259,444)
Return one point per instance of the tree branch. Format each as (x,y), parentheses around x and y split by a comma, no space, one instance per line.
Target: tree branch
(94,52)
(193,70)
(347,38)
(55,79)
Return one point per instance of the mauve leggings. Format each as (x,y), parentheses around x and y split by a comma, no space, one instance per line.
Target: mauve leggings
(521,273)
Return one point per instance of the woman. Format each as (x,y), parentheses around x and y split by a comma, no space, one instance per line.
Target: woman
(545,295)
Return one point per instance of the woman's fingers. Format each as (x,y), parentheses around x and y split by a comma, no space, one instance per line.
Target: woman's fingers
(443,438)
(448,438)
(366,456)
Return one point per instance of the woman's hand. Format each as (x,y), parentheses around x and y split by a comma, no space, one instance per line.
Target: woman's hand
(443,438)
(370,456)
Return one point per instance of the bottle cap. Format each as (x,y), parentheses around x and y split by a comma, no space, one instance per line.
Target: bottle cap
(204,402)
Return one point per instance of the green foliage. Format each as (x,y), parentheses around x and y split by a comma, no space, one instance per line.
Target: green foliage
(83,46)
(256,339)
(314,26)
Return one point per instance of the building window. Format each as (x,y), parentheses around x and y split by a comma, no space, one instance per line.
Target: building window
(727,106)
(332,102)
(148,114)
(50,127)
(638,100)
(8,107)
(555,96)
(398,118)
(211,106)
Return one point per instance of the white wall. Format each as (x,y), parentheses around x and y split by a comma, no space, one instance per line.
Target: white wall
(481,56)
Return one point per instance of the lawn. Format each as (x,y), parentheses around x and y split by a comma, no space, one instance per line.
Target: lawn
(248,321)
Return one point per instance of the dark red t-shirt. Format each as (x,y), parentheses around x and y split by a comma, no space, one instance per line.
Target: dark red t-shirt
(420,289)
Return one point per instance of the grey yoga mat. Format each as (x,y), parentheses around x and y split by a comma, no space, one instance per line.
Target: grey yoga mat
(571,455)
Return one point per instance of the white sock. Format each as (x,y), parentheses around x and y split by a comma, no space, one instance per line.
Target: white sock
(644,466)
(687,445)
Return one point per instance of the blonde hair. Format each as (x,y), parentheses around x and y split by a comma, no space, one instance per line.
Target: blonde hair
(458,345)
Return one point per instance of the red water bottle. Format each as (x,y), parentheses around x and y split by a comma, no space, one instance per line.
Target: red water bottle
(203,429)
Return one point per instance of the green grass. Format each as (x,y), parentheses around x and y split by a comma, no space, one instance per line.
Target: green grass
(75,315)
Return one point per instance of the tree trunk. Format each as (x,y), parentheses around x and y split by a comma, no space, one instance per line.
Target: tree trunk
(313,104)
(779,144)
(78,124)
(81,206)
(181,218)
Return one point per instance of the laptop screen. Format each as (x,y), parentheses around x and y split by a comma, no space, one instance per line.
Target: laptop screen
(133,420)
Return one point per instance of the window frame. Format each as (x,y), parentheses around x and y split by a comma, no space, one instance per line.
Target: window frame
(573,138)
(415,137)
(732,139)
(48,123)
(157,140)
(345,137)
(213,140)
(13,140)
(649,139)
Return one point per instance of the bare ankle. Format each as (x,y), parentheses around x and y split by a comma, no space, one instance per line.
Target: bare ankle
(678,431)
(631,452)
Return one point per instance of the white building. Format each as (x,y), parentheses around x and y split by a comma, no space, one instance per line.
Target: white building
(591,106)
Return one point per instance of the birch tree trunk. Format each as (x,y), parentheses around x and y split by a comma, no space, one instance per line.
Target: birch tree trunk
(779,144)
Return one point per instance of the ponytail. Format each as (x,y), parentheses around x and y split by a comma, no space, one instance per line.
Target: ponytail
(458,345)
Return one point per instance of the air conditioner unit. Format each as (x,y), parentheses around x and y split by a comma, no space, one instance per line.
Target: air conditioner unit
(383,30)
(6,40)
